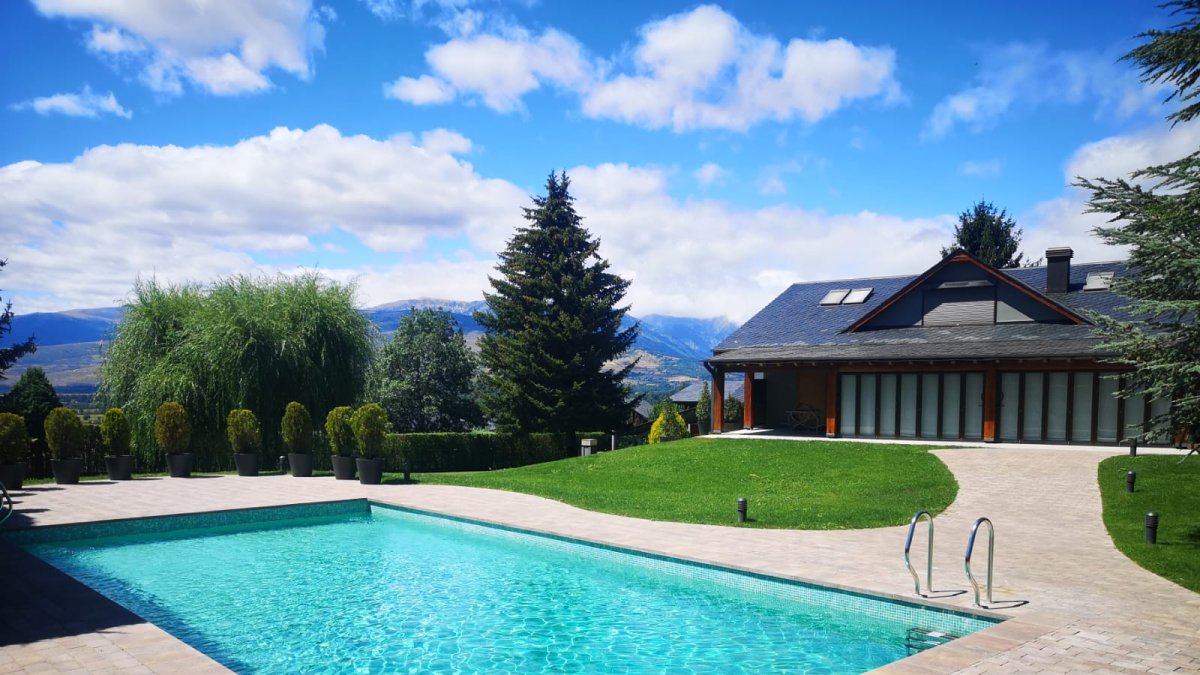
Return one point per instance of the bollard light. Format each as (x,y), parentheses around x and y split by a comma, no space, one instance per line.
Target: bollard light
(1130,479)
(1152,528)
(1132,450)
(407,470)
(742,509)
(283,464)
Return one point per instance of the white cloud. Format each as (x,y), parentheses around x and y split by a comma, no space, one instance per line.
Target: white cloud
(221,47)
(1026,76)
(984,167)
(81,231)
(695,70)
(709,173)
(83,104)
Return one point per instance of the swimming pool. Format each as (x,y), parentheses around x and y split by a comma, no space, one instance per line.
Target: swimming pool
(359,587)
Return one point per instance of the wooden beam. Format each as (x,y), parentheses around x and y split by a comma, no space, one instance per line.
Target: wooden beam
(989,405)
(831,402)
(718,401)
(748,400)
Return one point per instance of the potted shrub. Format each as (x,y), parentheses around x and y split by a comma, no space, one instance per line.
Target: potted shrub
(64,436)
(115,434)
(242,430)
(14,446)
(298,437)
(370,427)
(173,434)
(704,411)
(341,442)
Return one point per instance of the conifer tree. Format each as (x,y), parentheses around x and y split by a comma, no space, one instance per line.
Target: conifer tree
(10,354)
(991,236)
(1154,214)
(552,323)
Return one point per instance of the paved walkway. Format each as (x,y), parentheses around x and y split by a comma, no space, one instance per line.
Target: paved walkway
(1089,608)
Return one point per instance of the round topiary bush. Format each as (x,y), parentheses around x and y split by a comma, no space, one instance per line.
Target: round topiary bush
(64,433)
(339,431)
(172,432)
(14,439)
(668,427)
(243,431)
(370,424)
(115,431)
(297,428)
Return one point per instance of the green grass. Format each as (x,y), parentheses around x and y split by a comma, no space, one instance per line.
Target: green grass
(1172,490)
(804,485)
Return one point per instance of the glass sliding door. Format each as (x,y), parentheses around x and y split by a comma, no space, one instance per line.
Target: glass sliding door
(909,391)
(1158,408)
(848,405)
(1081,407)
(929,405)
(1106,408)
(1135,415)
(1056,408)
(887,404)
(1010,402)
(973,400)
(866,404)
(951,405)
(1031,425)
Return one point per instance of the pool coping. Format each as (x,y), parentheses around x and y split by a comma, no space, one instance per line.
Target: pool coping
(1009,632)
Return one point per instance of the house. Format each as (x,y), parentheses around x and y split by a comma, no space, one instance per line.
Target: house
(687,397)
(959,352)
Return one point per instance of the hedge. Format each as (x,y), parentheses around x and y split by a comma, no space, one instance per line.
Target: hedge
(477,451)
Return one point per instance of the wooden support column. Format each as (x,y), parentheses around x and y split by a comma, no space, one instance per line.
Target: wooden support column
(831,402)
(990,388)
(718,401)
(748,400)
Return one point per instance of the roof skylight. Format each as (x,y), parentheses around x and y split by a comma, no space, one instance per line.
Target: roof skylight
(857,296)
(1098,281)
(835,296)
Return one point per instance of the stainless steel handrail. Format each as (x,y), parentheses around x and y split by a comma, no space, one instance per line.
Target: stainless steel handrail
(967,563)
(912,526)
(5,499)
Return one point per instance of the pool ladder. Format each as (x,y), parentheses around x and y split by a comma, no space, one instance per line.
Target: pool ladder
(6,504)
(912,527)
(967,560)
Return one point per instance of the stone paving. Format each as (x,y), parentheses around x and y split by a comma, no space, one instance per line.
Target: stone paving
(1088,608)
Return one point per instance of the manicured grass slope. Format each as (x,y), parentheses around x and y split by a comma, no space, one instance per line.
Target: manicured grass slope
(1168,487)
(803,485)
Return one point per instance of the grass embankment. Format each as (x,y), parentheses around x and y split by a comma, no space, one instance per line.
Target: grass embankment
(803,485)
(1168,487)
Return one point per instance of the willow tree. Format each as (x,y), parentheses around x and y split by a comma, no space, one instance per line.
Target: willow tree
(244,342)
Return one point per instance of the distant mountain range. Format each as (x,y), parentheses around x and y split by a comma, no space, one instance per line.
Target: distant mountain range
(669,348)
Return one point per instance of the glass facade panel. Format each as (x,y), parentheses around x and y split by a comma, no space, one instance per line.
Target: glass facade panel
(887,404)
(973,399)
(1135,414)
(866,405)
(1158,408)
(1106,413)
(951,405)
(1010,401)
(848,406)
(1081,408)
(1031,429)
(908,405)
(1056,408)
(929,405)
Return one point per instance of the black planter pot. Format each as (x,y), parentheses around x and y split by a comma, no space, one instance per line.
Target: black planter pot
(343,467)
(66,471)
(120,467)
(370,471)
(301,463)
(705,427)
(180,466)
(247,463)
(12,475)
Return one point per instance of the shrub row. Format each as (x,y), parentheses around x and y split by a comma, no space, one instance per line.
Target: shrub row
(478,451)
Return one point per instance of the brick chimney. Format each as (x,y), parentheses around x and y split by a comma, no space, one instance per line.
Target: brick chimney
(1058,269)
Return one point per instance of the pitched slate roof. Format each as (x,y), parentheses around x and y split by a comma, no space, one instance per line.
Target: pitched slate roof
(691,393)
(795,327)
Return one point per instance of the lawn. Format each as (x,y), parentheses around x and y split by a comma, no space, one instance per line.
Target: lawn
(1171,489)
(811,485)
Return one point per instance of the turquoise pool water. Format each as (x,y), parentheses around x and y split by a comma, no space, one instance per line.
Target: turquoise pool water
(356,588)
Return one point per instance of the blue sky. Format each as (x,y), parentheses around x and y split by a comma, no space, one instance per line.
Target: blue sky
(719,151)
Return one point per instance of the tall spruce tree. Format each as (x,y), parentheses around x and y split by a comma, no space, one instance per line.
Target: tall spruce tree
(9,354)
(991,236)
(1154,214)
(552,323)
